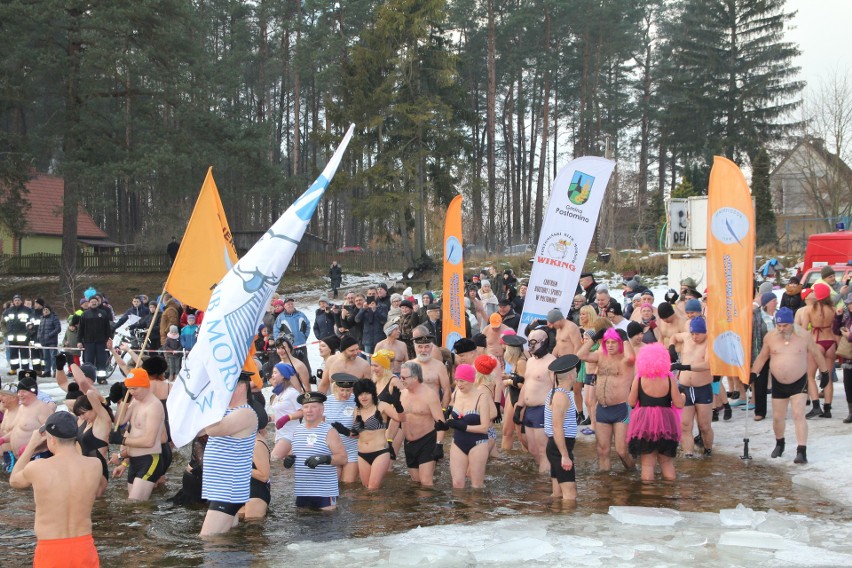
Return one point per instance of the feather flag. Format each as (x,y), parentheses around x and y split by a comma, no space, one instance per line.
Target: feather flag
(452,302)
(204,386)
(730,264)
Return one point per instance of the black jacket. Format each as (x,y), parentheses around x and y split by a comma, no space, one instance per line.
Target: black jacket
(95,326)
(323,323)
(48,331)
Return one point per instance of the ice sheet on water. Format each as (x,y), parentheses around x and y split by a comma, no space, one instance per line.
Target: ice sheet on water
(430,554)
(754,539)
(646,516)
(520,549)
(742,516)
(813,556)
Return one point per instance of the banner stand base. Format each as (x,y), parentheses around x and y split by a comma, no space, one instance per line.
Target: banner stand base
(745,456)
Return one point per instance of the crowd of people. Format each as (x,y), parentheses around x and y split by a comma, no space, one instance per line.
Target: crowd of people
(634,376)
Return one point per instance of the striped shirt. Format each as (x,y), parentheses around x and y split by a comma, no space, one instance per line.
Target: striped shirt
(319,482)
(343,411)
(569,422)
(227,466)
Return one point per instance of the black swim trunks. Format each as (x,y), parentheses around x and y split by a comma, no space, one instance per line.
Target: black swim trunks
(555,459)
(613,414)
(784,391)
(259,490)
(421,451)
(223,507)
(315,502)
(149,468)
(697,395)
(534,416)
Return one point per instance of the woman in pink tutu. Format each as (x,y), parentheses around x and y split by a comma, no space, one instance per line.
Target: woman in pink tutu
(654,431)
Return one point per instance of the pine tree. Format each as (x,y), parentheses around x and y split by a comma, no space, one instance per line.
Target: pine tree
(731,81)
(764,214)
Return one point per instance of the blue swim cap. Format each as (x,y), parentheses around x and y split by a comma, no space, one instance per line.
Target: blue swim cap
(693,305)
(286,370)
(697,325)
(784,315)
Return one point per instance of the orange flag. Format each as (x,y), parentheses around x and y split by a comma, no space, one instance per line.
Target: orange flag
(207,251)
(452,297)
(730,266)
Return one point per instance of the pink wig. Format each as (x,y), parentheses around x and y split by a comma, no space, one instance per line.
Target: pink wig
(653,362)
(611,333)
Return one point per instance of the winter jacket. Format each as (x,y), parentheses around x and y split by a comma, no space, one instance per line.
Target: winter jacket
(298,324)
(16,319)
(372,325)
(188,336)
(792,297)
(323,323)
(169,317)
(138,311)
(95,326)
(48,331)
(335,274)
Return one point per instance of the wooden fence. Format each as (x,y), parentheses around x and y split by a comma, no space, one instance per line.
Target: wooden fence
(48,264)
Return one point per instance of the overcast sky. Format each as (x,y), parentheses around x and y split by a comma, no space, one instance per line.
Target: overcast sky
(823,30)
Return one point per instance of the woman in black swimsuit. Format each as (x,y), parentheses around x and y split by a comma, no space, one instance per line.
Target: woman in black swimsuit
(371,422)
(94,423)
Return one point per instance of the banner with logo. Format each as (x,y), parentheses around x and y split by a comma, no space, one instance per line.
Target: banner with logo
(566,234)
(730,265)
(452,298)
(207,251)
(204,386)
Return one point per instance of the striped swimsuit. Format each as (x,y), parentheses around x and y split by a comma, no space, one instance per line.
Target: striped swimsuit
(319,482)
(227,466)
(343,411)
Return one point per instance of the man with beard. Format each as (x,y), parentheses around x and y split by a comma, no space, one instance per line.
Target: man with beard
(530,408)
(348,361)
(433,375)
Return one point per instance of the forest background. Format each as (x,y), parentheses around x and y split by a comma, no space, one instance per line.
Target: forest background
(131,102)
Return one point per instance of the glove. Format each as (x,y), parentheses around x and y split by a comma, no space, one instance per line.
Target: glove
(516,418)
(681,367)
(441,426)
(281,422)
(61,360)
(341,429)
(448,411)
(289,461)
(671,296)
(517,380)
(319,373)
(752,378)
(313,461)
(675,356)
(824,379)
(457,424)
(499,418)
(652,324)
(391,451)
(395,400)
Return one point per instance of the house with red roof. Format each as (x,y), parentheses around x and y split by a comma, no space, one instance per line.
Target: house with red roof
(43,228)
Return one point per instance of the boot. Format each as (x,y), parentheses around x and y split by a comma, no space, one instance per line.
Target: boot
(698,441)
(779,448)
(801,454)
(726,411)
(815,409)
(826,410)
(848,419)
(715,415)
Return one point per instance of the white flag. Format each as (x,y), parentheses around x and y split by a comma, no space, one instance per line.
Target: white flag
(566,234)
(205,384)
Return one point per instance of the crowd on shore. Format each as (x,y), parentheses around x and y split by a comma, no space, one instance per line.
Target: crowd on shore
(634,376)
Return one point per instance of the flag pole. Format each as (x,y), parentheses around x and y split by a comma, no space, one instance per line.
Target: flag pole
(746,455)
(150,327)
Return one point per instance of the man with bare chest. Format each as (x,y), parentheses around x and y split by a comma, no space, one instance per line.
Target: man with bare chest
(392,343)
(695,382)
(615,362)
(435,374)
(538,382)
(32,413)
(669,322)
(493,332)
(347,361)
(423,421)
(568,338)
(787,349)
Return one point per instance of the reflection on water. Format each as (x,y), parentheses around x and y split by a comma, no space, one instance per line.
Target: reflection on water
(161,534)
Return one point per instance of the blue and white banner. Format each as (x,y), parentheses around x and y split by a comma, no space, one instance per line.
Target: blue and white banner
(205,384)
(566,234)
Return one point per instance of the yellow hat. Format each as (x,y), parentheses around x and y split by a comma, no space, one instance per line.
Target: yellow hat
(383,357)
